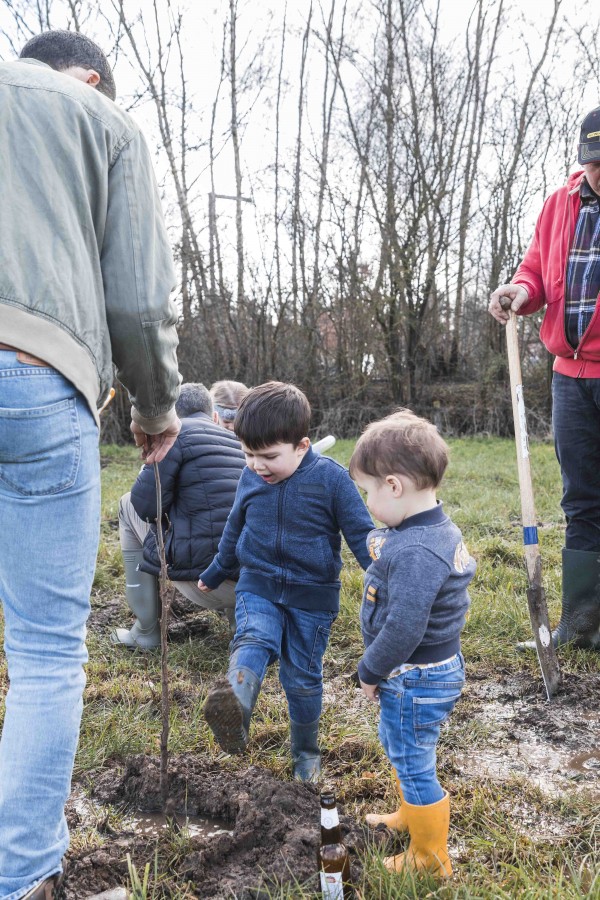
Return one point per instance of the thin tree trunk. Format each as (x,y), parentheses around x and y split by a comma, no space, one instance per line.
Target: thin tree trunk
(236,154)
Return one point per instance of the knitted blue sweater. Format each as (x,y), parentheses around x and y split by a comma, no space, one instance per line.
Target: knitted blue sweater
(286,537)
(415,598)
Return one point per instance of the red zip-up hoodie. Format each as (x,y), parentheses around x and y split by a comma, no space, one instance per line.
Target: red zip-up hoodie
(543,273)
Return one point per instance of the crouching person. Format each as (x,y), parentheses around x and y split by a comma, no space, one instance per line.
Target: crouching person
(198,483)
(413,610)
(284,529)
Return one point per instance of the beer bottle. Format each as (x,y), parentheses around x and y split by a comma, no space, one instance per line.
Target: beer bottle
(334,862)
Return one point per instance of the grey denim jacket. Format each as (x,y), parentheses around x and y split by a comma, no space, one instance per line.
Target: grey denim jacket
(85,264)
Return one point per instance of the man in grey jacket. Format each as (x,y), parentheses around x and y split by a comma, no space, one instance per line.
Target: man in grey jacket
(85,278)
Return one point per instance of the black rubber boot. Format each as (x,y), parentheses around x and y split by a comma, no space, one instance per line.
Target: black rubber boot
(229,706)
(306,756)
(580,618)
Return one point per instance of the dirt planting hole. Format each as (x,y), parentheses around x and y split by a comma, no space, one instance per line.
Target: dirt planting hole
(261,832)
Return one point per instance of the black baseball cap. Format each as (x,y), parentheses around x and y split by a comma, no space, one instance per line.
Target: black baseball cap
(589,138)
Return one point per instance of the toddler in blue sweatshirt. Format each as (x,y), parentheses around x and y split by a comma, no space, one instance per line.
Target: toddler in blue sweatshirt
(284,533)
(412,613)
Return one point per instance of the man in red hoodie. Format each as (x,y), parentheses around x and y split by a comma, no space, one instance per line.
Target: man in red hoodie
(561,271)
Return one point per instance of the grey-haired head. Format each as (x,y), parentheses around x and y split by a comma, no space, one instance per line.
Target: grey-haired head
(193,398)
(62,50)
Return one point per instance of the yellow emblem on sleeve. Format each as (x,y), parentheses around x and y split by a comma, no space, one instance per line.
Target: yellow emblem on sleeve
(371,593)
(375,545)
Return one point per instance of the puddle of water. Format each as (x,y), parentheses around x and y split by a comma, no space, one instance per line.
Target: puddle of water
(534,761)
(150,824)
(585,762)
(90,813)
(540,762)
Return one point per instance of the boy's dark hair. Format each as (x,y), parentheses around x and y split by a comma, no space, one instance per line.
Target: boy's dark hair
(63,49)
(272,413)
(401,444)
(193,398)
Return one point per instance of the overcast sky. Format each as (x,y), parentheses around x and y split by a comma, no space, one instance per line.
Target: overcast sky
(260,22)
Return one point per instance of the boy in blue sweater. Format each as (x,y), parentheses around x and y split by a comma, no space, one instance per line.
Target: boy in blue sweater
(413,610)
(284,534)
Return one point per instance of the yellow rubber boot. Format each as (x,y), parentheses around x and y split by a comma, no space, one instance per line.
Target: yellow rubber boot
(428,848)
(396,820)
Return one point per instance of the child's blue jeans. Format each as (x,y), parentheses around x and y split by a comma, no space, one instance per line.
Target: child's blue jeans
(413,707)
(266,632)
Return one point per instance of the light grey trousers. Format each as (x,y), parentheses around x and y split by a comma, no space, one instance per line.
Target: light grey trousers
(132,532)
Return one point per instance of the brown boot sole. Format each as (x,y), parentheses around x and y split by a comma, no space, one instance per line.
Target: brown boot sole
(51,888)
(225,718)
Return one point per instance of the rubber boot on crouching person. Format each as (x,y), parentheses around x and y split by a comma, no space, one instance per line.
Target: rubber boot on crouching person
(141,594)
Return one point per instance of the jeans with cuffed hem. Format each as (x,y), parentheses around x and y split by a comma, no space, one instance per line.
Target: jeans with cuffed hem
(413,707)
(266,632)
(49,522)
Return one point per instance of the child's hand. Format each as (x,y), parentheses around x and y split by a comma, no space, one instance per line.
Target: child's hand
(371,692)
(202,587)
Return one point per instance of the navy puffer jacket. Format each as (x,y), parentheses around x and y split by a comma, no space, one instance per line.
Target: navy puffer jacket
(198,480)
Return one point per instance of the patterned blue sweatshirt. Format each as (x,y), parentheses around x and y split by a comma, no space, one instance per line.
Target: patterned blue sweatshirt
(415,599)
(285,537)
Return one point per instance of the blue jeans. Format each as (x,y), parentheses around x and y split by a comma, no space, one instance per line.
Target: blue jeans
(49,523)
(266,632)
(576,422)
(413,707)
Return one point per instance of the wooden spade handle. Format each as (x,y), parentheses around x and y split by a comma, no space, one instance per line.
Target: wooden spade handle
(536,598)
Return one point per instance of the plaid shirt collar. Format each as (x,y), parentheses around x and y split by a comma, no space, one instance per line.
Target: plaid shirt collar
(586,193)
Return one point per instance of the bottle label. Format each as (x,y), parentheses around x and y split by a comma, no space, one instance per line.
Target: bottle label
(329,818)
(332,887)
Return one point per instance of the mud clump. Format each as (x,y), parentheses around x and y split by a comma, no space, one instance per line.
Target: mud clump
(273,839)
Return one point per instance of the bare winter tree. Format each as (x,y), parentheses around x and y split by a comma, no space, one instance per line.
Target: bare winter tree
(394,173)
(417,143)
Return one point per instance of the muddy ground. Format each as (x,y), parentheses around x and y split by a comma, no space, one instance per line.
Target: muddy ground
(267,833)
(260,831)
(263,831)
(554,745)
